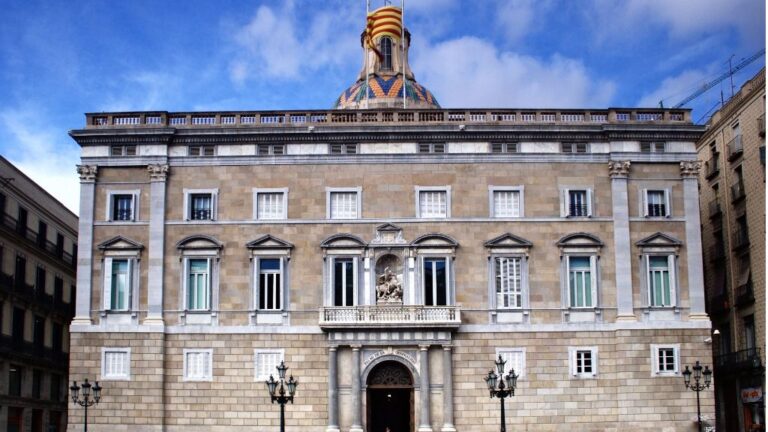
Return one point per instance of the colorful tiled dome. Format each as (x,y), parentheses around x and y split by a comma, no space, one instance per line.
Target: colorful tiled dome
(386,91)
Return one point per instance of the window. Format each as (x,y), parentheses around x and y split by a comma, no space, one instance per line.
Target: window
(40,279)
(661,282)
(201,150)
(343,203)
(506,201)
(385,46)
(55,391)
(121,205)
(582,286)
(656,203)
(270,271)
(750,337)
(15,378)
(432,148)
(37,383)
(665,359)
(116,364)
(200,204)
(574,147)
(344,281)
(120,277)
(435,281)
(583,362)
(38,331)
(433,202)
(514,358)
(198,364)
(118,283)
(19,317)
(57,334)
(652,147)
(42,233)
(271,149)
(343,148)
(198,284)
(576,203)
(509,292)
(501,147)
(122,150)
(270,204)
(266,363)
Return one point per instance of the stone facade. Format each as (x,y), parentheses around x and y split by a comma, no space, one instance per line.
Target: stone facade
(733,231)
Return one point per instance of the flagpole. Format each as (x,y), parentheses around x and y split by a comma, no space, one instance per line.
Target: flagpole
(402,45)
(365,39)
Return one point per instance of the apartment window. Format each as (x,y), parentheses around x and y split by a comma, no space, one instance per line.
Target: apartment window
(343,148)
(21,221)
(435,281)
(652,147)
(506,201)
(432,148)
(198,364)
(122,150)
(574,147)
(116,364)
(15,378)
(656,203)
(344,281)
(40,279)
(38,331)
(582,283)
(509,281)
(665,359)
(270,283)
(42,233)
(37,383)
(270,204)
(201,150)
(576,203)
(343,203)
(583,362)
(385,45)
(514,358)
(19,316)
(198,281)
(57,333)
(661,282)
(750,337)
(266,363)
(271,149)
(200,204)
(122,205)
(55,388)
(118,284)
(433,202)
(502,147)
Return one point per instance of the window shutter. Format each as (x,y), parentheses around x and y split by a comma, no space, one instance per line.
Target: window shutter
(648,278)
(129,282)
(589,202)
(644,202)
(282,284)
(667,201)
(593,279)
(564,204)
(111,208)
(448,299)
(256,282)
(672,280)
(185,283)
(214,205)
(135,207)
(567,260)
(107,283)
(574,364)
(209,291)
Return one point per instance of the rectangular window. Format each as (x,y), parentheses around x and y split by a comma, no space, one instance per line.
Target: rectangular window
(665,359)
(344,205)
(37,383)
(506,203)
(201,150)
(660,282)
(344,281)
(270,205)
(55,391)
(198,365)
(118,282)
(266,363)
(343,148)
(116,363)
(57,333)
(499,147)
(15,377)
(578,203)
(270,283)
(656,203)
(750,337)
(122,207)
(432,148)
(583,361)
(435,281)
(40,279)
(42,233)
(198,284)
(271,149)
(509,292)
(574,147)
(122,150)
(514,358)
(581,282)
(38,331)
(652,147)
(433,204)
(201,206)
(19,315)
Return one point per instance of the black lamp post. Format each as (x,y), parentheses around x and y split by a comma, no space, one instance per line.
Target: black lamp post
(697,386)
(278,395)
(86,400)
(504,390)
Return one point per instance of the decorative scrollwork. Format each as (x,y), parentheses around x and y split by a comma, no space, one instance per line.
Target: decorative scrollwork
(618,168)
(390,374)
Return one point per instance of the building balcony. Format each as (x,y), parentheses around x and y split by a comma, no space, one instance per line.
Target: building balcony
(712,168)
(390,316)
(719,304)
(21,350)
(740,238)
(714,208)
(737,192)
(743,361)
(31,237)
(745,294)
(735,147)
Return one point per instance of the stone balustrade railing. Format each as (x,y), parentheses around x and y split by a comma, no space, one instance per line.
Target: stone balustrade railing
(390,316)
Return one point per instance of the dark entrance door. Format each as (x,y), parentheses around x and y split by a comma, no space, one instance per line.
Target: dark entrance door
(390,398)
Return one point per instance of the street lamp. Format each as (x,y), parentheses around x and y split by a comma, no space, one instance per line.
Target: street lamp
(697,386)
(278,395)
(86,400)
(504,390)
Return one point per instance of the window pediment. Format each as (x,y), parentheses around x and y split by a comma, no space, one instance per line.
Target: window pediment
(509,243)
(120,243)
(435,240)
(659,240)
(580,242)
(199,242)
(268,244)
(343,241)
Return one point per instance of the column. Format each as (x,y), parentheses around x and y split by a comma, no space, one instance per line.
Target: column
(689,171)
(158,174)
(619,172)
(424,424)
(448,390)
(333,392)
(357,406)
(85,244)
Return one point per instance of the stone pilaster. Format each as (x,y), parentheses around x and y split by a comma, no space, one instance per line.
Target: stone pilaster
(158,175)
(619,172)
(333,391)
(357,406)
(689,171)
(85,244)
(448,389)
(425,424)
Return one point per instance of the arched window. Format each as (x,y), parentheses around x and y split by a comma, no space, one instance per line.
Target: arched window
(386,53)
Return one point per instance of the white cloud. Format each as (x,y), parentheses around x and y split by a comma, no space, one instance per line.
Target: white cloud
(148,91)
(515,19)
(470,72)
(45,154)
(674,89)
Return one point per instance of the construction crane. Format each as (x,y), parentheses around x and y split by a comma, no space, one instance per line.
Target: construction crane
(722,77)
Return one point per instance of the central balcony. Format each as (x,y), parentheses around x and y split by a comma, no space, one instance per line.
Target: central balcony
(390,316)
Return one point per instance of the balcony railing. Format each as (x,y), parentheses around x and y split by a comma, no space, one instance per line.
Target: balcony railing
(390,316)
(31,353)
(740,238)
(40,298)
(713,167)
(10,223)
(714,208)
(739,361)
(735,147)
(737,192)
(745,295)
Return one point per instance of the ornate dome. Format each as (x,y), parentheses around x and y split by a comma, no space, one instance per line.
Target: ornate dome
(386,92)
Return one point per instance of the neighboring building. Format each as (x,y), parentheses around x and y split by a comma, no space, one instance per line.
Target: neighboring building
(38,240)
(389,256)
(733,231)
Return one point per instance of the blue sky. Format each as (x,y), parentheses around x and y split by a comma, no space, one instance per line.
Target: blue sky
(61,59)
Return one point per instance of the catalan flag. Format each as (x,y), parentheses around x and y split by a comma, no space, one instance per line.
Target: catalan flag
(385,21)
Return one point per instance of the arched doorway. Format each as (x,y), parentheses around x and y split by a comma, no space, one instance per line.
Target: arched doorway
(389,398)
